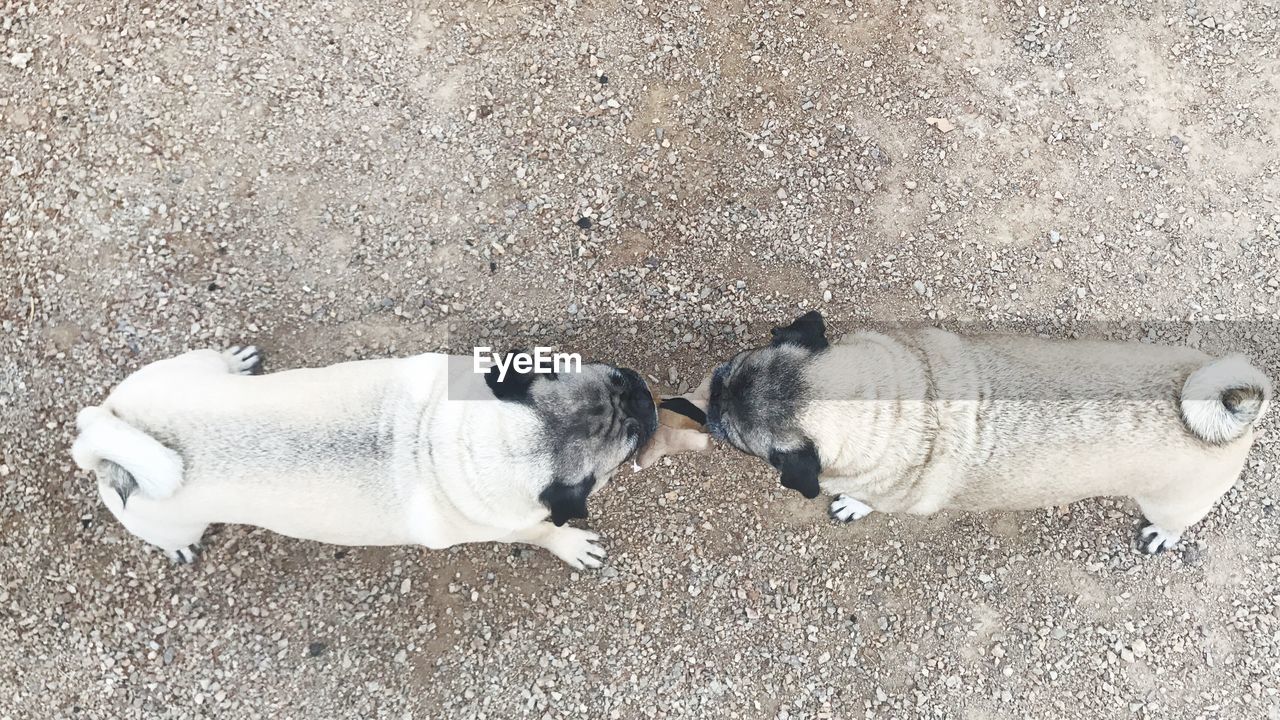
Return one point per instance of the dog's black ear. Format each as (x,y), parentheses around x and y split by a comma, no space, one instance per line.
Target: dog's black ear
(808,331)
(513,386)
(800,469)
(567,501)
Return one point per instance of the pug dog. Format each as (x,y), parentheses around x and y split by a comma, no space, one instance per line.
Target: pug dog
(920,420)
(416,450)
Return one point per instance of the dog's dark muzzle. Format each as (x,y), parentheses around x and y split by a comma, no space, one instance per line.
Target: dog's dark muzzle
(715,420)
(637,404)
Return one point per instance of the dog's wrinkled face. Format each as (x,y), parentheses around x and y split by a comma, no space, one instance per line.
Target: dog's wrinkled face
(754,398)
(592,422)
(757,396)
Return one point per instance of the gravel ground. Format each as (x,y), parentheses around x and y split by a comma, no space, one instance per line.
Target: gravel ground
(653,183)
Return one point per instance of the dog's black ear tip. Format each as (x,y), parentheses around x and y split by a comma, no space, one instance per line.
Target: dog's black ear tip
(514,385)
(567,502)
(560,519)
(807,331)
(800,469)
(807,486)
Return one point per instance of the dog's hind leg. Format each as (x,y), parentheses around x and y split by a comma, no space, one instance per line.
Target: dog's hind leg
(1169,512)
(181,543)
(146,519)
(246,360)
(237,360)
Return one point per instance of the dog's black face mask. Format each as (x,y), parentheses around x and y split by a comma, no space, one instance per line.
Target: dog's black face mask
(593,420)
(757,396)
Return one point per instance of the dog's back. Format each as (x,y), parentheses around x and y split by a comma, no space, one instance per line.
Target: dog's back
(996,421)
(191,440)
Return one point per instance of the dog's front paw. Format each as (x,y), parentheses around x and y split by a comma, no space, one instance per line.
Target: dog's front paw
(1153,539)
(245,360)
(846,509)
(576,547)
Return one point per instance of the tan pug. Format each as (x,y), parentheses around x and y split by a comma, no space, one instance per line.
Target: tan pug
(417,450)
(921,420)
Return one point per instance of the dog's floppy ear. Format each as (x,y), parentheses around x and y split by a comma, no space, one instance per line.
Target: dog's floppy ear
(513,386)
(808,331)
(800,469)
(566,501)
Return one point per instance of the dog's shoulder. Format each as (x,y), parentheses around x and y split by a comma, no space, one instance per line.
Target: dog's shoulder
(884,364)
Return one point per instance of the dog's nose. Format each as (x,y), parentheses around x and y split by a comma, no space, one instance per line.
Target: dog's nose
(715,426)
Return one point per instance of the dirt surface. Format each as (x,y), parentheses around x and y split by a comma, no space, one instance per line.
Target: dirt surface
(360,179)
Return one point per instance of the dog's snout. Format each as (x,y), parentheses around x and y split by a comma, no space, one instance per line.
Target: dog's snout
(638,403)
(715,421)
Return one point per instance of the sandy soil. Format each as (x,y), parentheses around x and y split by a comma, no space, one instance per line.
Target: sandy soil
(358,179)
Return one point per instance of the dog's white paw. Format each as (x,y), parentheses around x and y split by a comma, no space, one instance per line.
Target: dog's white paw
(184,556)
(847,509)
(245,360)
(1153,539)
(576,547)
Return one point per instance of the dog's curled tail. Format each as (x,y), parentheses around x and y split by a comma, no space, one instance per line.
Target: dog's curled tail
(1222,399)
(125,458)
